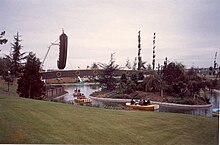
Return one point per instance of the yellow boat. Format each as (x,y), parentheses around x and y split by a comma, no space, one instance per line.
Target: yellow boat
(151,107)
(82,101)
(215,112)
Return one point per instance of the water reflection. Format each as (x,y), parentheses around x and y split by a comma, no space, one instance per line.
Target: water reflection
(214,100)
(86,89)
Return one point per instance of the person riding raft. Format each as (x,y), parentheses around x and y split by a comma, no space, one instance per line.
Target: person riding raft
(141,102)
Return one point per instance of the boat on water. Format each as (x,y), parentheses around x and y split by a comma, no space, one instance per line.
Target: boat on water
(80,98)
(151,107)
(215,112)
(82,101)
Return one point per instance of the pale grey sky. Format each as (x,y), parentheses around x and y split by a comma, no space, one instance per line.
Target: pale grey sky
(187,31)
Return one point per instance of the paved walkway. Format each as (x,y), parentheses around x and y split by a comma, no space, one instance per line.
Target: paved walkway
(153,102)
(218,91)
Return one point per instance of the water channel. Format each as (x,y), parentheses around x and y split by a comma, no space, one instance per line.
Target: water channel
(87,89)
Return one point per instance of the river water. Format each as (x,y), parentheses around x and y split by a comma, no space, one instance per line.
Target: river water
(88,89)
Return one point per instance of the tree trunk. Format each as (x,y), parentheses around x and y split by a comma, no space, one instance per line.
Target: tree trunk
(161,93)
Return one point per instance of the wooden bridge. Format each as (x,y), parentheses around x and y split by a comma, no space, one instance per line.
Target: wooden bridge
(82,73)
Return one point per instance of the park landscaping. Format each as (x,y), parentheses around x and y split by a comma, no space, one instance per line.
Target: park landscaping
(137,95)
(32,121)
(171,83)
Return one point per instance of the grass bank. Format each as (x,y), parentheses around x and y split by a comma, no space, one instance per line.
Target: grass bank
(6,90)
(32,121)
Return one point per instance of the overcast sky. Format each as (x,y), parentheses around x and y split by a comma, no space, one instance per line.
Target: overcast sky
(187,31)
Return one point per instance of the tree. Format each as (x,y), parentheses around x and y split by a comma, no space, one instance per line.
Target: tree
(211,70)
(141,84)
(123,83)
(2,39)
(128,85)
(128,64)
(124,78)
(134,64)
(106,79)
(30,84)
(215,64)
(152,83)
(154,55)
(173,72)
(94,66)
(16,56)
(134,81)
(139,50)
(5,66)
(174,78)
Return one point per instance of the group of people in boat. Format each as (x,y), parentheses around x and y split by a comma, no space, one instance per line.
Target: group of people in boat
(78,94)
(141,102)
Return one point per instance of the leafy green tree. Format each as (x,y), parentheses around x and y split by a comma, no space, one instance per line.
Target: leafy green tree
(30,84)
(16,56)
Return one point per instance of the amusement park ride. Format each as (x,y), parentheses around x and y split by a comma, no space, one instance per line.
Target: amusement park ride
(61,62)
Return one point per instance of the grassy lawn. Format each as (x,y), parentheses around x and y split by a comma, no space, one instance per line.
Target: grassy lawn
(31,121)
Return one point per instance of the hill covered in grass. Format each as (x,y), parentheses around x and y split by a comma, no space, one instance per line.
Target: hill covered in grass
(32,121)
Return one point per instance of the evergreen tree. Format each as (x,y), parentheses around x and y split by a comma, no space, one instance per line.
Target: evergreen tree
(16,56)
(141,83)
(139,50)
(5,66)
(140,62)
(94,66)
(154,55)
(127,85)
(30,84)
(134,64)
(128,64)
(107,79)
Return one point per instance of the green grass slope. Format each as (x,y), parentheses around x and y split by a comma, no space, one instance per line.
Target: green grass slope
(4,89)
(31,121)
